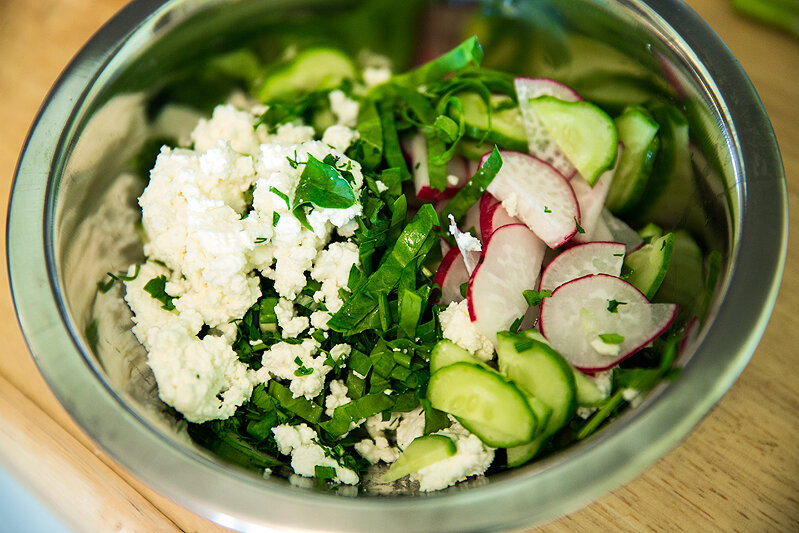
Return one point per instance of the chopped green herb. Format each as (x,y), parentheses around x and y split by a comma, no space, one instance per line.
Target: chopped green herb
(535,298)
(579,227)
(547,209)
(613,305)
(611,338)
(156,288)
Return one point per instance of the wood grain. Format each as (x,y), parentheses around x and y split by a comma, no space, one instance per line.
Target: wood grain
(739,471)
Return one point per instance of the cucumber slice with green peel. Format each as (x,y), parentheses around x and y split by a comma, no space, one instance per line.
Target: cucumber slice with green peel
(684,283)
(446,352)
(311,70)
(421,453)
(484,402)
(505,129)
(588,394)
(519,455)
(585,133)
(648,265)
(638,132)
(542,411)
(538,370)
(670,192)
(650,231)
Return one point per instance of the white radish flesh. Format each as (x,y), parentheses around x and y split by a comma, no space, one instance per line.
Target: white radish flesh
(621,232)
(597,321)
(456,167)
(544,200)
(539,141)
(510,265)
(592,200)
(581,260)
(493,217)
(451,274)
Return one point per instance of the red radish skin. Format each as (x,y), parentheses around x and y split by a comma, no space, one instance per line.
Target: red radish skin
(581,260)
(451,274)
(544,200)
(509,265)
(495,218)
(540,143)
(416,149)
(578,311)
(690,335)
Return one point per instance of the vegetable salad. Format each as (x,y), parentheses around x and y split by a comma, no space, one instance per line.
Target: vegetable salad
(356,276)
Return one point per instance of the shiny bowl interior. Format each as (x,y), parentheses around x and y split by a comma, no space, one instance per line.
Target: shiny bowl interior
(71,216)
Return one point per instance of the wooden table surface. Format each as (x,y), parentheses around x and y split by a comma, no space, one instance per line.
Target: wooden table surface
(738,471)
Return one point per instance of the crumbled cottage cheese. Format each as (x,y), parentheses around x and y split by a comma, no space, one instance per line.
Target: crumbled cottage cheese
(472,458)
(457,326)
(300,442)
(211,242)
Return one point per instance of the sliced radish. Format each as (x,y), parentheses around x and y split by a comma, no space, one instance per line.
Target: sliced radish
(540,142)
(592,200)
(598,320)
(621,232)
(457,171)
(601,232)
(690,335)
(544,199)
(495,218)
(581,260)
(451,274)
(471,220)
(509,266)
(467,243)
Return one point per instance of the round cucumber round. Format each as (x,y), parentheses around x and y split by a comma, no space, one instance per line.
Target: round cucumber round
(446,352)
(311,70)
(485,403)
(585,133)
(505,128)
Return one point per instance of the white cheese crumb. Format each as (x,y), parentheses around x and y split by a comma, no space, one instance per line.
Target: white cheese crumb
(605,348)
(457,326)
(290,324)
(339,137)
(510,204)
(373,76)
(453,180)
(471,458)
(381,187)
(344,108)
(306,455)
(332,269)
(281,361)
(337,396)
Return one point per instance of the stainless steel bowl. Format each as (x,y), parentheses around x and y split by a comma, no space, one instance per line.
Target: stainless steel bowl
(65,230)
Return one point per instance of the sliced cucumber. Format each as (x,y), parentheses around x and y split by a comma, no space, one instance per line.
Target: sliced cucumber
(638,132)
(684,283)
(422,452)
(585,133)
(519,455)
(670,191)
(311,70)
(446,352)
(484,402)
(588,394)
(648,264)
(650,232)
(536,368)
(506,128)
